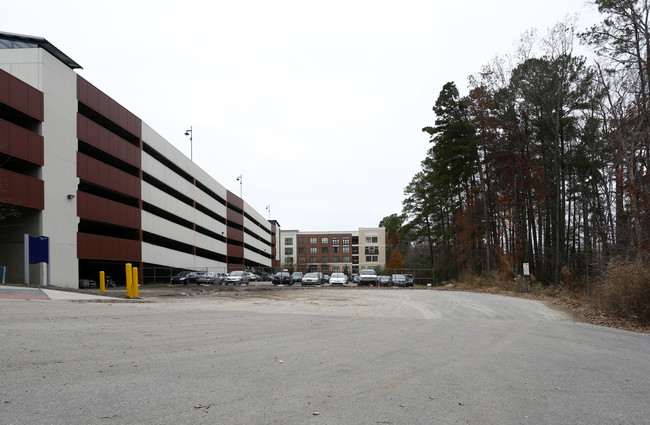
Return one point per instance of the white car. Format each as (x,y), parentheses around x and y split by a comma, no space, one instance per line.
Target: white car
(311,279)
(338,279)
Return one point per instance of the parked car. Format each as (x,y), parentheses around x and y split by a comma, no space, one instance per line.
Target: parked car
(281,278)
(399,280)
(212,278)
(311,279)
(326,278)
(368,277)
(409,279)
(237,277)
(87,283)
(385,281)
(184,277)
(338,279)
(296,277)
(252,277)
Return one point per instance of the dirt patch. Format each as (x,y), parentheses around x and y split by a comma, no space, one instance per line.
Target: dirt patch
(579,310)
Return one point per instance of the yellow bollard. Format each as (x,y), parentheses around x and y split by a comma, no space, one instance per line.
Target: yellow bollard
(129,280)
(102,282)
(135,290)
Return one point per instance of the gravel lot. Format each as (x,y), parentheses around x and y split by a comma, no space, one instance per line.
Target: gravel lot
(246,355)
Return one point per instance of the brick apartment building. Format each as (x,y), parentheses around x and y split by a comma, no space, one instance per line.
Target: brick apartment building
(331,252)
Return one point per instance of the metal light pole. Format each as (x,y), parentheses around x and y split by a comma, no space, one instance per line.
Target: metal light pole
(189,133)
(240,179)
(268,208)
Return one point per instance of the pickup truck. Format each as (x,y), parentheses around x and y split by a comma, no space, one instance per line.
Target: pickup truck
(368,277)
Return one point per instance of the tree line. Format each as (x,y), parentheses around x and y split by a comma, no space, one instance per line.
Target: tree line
(544,161)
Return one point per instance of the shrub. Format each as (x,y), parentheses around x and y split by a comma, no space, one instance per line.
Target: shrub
(507,272)
(625,290)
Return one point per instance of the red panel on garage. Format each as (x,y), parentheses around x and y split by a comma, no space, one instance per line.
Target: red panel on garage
(97,247)
(234,234)
(21,143)
(22,190)
(235,251)
(21,96)
(234,217)
(101,209)
(104,140)
(235,200)
(97,100)
(102,174)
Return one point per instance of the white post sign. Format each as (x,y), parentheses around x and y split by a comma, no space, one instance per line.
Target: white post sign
(526,269)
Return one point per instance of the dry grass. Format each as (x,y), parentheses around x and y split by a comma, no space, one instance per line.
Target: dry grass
(625,290)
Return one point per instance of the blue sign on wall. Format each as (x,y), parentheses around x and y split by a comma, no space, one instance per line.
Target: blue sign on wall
(39,249)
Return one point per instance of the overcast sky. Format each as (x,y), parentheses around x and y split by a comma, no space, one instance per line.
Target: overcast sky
(318,105)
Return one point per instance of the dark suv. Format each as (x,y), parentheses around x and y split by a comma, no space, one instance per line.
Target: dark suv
(296,277)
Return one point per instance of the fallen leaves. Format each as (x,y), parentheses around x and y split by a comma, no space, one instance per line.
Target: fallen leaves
(203,406)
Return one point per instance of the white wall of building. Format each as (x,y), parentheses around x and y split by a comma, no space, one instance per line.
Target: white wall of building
(290,234)
(60,219)
(372,232)
(155,254)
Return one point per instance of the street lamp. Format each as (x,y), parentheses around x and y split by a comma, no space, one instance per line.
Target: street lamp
(268,208)
(189,133)
(240,179)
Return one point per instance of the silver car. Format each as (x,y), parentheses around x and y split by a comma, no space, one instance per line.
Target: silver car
(209,277)
(311,279)
(399,280)
(384,281)
(237,277)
